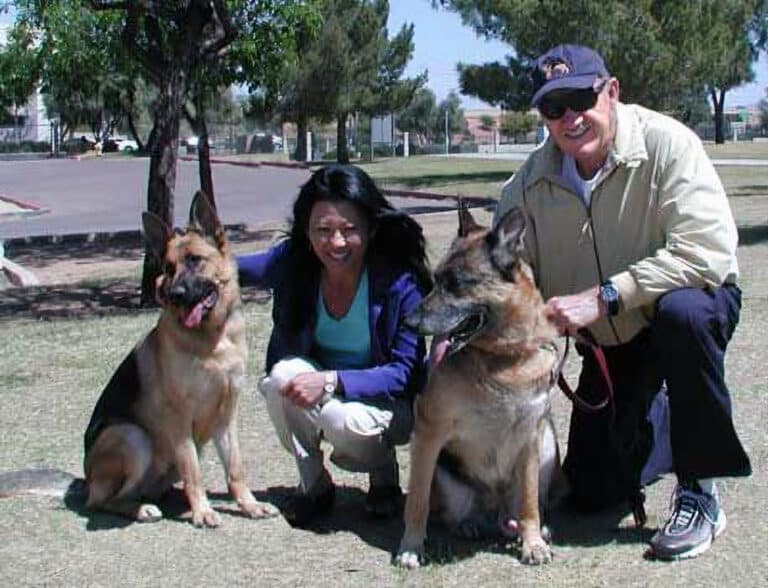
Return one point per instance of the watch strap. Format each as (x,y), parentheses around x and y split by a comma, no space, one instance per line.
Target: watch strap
(610,297)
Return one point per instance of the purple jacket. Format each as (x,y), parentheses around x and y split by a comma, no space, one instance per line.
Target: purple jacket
(397,352)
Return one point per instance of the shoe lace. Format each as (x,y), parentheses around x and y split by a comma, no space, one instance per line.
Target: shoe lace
(685,504)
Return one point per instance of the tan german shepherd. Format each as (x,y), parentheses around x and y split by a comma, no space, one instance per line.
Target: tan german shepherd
(179,387)
(484,445)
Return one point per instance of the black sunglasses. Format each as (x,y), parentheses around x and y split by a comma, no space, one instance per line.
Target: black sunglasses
(554,105)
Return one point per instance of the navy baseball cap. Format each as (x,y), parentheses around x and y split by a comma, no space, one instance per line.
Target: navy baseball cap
(566,67)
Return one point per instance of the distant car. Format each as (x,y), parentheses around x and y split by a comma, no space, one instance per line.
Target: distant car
(120,145)
(191,144)
(127,145)
(264,143)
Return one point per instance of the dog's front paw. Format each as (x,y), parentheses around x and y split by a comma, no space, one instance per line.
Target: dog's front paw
(206,518)
(410,559)
(259,510)
(535,552)
(148,513)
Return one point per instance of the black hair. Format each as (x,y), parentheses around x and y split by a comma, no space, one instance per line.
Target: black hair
(394,237)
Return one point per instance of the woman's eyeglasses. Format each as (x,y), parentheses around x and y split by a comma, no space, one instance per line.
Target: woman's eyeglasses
(554,105)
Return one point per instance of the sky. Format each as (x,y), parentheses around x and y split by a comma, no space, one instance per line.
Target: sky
(441,41)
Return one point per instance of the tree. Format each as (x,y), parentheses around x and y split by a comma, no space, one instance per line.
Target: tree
(172,43)
(487,123)
(737,32)
(256,57)
(763,106)
(182,48)
(660,51)
(84,75)
(449,111)
(506,85)
(304,91)
(420,116)
(693,108)
(517,123)
(350,66)
(19,68)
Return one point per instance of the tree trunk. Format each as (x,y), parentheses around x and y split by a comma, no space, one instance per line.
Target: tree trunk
(342,153)
(200,127)
(301,138)
(134,132)
(204,160)
(719,103)
(162,172)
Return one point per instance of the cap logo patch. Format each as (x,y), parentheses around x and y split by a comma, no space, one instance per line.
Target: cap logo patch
(555,68)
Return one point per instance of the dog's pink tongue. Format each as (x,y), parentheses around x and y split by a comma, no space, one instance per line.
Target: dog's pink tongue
(438,350)
(194,316)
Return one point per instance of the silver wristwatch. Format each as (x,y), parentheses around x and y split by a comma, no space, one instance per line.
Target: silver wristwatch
(331,382)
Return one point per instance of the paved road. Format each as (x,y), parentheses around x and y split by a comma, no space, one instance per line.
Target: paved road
(108,195)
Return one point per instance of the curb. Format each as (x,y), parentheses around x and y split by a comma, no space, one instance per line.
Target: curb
(27,206)
(285,164)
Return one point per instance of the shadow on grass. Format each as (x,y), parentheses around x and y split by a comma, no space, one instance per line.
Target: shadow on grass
(348,515)
(748,190)
(753,235)
(443,546)
(83,300)
(109,247)
(173,504)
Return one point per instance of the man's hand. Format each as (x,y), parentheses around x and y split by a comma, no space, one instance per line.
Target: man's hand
(571,313)
(305,389)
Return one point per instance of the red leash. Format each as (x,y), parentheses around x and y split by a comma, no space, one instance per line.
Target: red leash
(586,338)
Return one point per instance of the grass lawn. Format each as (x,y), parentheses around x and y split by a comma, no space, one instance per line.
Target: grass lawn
(738,150)
(455,176)
(52,371)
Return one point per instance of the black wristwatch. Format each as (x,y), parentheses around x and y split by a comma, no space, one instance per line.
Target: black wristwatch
(610,297)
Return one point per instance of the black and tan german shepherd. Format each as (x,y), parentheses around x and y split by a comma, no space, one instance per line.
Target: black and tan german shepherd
(179,387)
(484,446)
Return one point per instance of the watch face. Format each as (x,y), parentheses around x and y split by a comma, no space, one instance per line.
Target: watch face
(610,295)
(330,382)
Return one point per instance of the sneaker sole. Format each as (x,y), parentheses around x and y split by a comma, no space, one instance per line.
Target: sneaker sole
(720,525)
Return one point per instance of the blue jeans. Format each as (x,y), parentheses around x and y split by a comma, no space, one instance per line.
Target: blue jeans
(684,347)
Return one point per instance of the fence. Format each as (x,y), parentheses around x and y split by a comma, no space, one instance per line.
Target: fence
(27,138)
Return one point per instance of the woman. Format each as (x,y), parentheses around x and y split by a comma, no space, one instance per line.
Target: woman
(342,364)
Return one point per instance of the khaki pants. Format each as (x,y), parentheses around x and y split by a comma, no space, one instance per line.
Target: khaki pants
(363,434)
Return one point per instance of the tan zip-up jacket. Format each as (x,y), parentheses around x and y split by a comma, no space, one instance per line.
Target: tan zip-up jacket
(659,220)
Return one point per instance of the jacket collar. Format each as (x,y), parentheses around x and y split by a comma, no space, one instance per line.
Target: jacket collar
(628,149)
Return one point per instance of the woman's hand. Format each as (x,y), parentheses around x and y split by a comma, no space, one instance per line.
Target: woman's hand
(305,389)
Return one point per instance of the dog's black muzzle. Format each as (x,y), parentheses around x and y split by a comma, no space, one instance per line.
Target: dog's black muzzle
(187,290)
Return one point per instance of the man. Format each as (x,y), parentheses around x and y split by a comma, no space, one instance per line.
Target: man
(632,239)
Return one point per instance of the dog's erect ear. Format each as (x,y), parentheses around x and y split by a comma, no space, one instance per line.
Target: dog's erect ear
(467,223)
(202,215)
(505,241)
(156,232)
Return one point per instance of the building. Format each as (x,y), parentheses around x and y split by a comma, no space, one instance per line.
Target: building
(33,123)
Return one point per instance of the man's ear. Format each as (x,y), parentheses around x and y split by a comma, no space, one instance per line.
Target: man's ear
(156,232)
(505,241)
